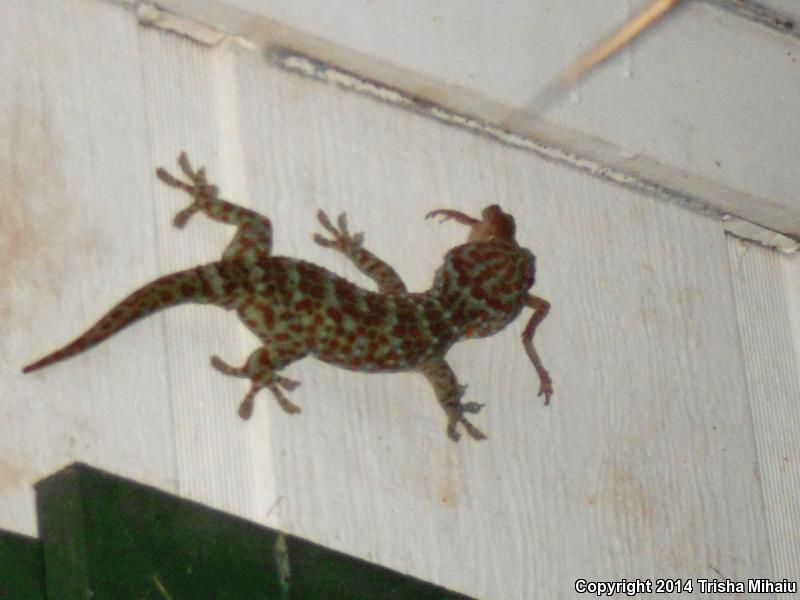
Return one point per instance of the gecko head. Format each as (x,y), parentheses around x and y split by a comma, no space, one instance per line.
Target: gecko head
(494,223)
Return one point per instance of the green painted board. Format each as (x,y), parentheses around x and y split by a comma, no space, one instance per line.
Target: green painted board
(21,568)
(108,537)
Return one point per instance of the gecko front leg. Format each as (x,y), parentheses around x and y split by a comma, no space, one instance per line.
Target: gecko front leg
(437,371)
(448,392)
(540,308)
(389,282)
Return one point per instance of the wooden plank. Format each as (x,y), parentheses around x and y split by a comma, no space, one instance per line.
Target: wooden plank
(108,537)
(764,279)
(630,120)
(21,567)
(650,432)
(645,463)
(76,237)
(212,457)
(780,14)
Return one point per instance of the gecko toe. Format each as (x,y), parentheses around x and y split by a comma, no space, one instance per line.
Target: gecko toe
(451,431)
(226,369)
(473,431)
(324,242)
(286,383)
(546,390)
(342,222)
(246,409)
(287,405)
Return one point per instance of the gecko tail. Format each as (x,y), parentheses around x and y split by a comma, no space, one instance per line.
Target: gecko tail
(177,288)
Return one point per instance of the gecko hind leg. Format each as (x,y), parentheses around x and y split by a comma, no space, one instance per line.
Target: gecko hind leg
(253,238)
(262,374)
(449,392)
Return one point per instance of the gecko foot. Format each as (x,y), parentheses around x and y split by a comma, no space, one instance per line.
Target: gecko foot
(456,415)
(546,390)
(342,239)
(259,381)
(199,188)
(473,431)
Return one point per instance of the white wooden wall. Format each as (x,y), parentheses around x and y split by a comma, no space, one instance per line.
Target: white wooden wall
(671,447)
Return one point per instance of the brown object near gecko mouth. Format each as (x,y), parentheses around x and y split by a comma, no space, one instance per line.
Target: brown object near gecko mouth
(298,309)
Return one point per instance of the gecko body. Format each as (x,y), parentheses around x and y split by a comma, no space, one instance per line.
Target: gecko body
(297,308)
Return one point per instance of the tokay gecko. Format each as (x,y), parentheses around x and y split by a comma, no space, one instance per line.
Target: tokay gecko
(297,308)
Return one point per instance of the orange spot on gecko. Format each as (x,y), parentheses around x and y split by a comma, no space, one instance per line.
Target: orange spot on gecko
(267,315)
(304,305)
